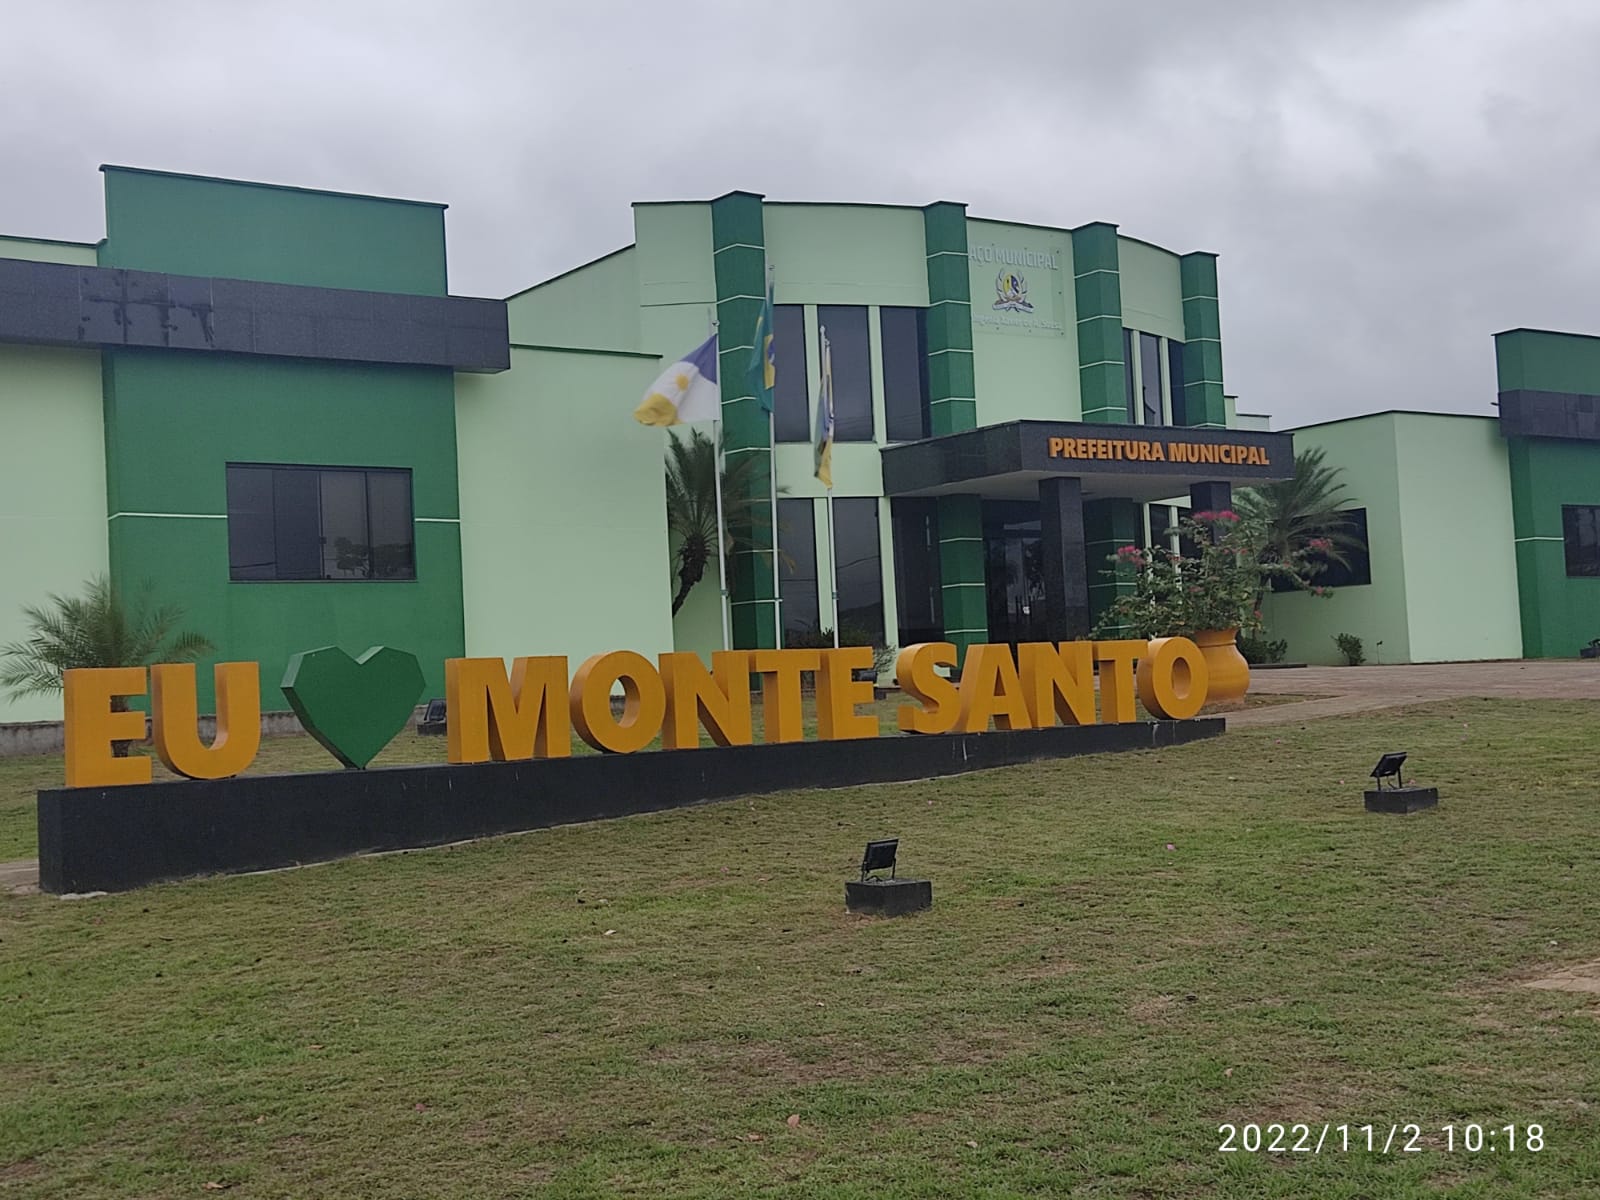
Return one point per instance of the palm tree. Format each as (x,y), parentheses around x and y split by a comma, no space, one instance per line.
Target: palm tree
(692,506)
(1294,513)
(94,630)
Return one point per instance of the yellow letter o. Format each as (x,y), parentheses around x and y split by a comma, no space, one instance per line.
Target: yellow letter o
(643,707)
(1173,678)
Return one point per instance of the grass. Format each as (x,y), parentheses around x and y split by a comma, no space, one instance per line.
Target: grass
(23,776)
(1125,952)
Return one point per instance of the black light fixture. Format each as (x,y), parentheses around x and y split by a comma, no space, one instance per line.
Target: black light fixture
(885,896)
(1389,768)
(1396,796)
(880,856)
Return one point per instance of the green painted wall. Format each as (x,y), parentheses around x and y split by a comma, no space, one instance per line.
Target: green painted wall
(1367,448)
(1460,558)
(1026,363)
(846,254)
(1152,290)
(52,489)
(189,225)
(1438,497)
(1547,361)
(595,307)
(238,409)
(563,512)
(1560,614)
(74,254)
(1097,296)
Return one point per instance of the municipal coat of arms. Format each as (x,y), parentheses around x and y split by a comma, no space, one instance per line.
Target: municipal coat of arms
(1011,293)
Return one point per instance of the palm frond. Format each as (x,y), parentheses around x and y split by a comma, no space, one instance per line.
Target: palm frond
(94,629)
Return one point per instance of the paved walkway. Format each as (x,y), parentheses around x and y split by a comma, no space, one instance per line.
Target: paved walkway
(1362,689)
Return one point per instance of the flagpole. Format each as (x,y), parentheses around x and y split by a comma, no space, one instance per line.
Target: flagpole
(772,479)
(716,468)
(833,563)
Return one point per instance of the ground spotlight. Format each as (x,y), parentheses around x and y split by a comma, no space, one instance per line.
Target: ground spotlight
(885,896)
(1392,794)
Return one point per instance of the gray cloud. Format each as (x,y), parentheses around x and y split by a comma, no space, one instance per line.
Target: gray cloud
(1388,182)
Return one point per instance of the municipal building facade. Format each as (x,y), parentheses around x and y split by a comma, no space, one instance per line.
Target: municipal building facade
(264,404)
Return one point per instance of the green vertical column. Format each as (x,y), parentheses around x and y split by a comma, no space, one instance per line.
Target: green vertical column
(1108,525)
(952,390)
(963,586)
(1097,292)
(739,255)
(1203,402)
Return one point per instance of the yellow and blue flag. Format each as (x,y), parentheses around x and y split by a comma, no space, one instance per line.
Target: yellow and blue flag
(763,355)
(686,391)
(824,439)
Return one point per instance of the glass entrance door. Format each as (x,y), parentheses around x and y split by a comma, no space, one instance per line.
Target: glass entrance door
(1014,559)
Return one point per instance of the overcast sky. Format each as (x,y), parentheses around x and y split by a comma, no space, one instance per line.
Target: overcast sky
(1387,182)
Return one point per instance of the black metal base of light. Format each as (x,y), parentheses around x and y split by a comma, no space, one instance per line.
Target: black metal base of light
(888,897)
(1402,799)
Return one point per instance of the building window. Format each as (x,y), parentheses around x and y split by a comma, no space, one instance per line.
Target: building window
(905,372)
(791,411)
(852,370)
(1356,570)
(857,570)
(1150,377)
(1130,393)
(1180,413)
(324,523)
(919,594)
(1580,530)
(797,567)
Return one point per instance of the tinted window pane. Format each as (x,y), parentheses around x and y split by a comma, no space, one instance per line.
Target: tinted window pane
(857,570)
(852,371)
(1580,529)
(287,523)
(1129,394)
(297,524)
(791,410)
(250,543)
(918,594)
(1356,571)
(1150,377)
(1180,414)
(905,372)
(797,567)
(389,518)
(346,553)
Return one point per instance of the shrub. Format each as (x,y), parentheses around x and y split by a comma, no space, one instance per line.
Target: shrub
(883,656)
(1214,581)
(1350,646)
(1258,650)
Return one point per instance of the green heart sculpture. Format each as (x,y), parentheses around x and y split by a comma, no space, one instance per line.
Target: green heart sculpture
(353,706)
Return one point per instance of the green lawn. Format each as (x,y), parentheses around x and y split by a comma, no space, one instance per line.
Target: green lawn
(1124,953)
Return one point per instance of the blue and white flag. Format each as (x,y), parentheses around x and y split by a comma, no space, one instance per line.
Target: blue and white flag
(686,391)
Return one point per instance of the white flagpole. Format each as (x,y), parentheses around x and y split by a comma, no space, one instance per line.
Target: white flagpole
(827,395)
(772,478)
(722,557)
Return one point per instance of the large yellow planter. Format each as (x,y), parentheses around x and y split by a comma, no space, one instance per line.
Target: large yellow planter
(1230,674)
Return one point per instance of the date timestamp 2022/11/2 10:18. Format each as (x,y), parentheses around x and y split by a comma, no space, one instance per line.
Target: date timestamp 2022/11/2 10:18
(1327,1138)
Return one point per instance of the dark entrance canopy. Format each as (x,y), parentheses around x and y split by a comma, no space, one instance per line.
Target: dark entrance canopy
(1132,462)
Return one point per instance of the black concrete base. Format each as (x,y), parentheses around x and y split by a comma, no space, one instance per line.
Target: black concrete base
(1402,799)
(113,839)
(888,897)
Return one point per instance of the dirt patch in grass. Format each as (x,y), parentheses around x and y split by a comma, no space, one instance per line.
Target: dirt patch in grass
(1584,978)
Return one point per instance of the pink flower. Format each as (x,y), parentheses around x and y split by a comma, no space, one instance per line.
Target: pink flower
(1227,514)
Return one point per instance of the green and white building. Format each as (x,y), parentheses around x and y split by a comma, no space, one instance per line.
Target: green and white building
(264,402)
